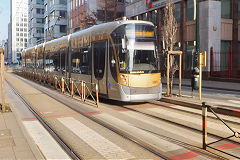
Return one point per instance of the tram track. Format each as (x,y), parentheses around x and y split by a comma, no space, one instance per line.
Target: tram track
(50,130)
(112,128)
(126,135)
(123,106)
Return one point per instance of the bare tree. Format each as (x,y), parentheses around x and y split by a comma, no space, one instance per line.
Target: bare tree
(169,36)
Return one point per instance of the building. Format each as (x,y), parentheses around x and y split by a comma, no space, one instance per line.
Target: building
(219,31)
(19,28)
(35,22)
(85,13)
(6,51)
(9,53)
(55,16)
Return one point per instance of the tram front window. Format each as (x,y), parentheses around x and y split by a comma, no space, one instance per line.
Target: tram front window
(140,57)
(135,46)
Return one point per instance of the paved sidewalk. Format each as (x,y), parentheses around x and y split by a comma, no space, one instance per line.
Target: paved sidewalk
(228,86)
(15,142)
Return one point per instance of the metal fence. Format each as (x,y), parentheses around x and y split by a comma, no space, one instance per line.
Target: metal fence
(224,64)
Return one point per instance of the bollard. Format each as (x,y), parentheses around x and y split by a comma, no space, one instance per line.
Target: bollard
(204,125)
(97,95)
(49,81)
(62,84)
(71,87)
(55,82)
(82,90)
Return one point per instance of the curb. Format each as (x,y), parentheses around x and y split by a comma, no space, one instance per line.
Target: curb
(223,89)
(220,110)
(32,145)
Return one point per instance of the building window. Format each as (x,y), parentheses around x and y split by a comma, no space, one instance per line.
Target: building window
(40,20)
(226,9)
(39,30)
(145,16)
(40,11)
(189,55)
(224,55)
(177,12)
(62,1)
(154,17)
(238,54)
(239,10)
(162,16)
(62,14)
(63,28)
(190,10)
(39,1)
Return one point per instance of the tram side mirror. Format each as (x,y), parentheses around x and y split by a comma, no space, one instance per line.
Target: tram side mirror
(113,62)
(124,47)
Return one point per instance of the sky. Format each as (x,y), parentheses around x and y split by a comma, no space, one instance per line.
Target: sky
(4,18)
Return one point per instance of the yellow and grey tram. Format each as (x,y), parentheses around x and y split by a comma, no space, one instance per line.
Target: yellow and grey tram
(119,56)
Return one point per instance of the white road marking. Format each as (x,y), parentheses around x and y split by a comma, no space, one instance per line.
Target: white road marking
(48,146)
(216,126)
(159,143)
(103,146)
(234,101)
(175,130)
(234,119)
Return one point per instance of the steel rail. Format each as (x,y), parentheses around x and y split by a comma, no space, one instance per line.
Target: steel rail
(60,141)
(104,124)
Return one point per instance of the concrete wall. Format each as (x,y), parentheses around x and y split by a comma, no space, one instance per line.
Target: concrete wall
(210,28)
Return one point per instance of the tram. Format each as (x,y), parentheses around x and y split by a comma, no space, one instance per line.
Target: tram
(120,56)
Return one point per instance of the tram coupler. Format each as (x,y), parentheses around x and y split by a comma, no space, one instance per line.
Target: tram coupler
(71,87)
(62,84)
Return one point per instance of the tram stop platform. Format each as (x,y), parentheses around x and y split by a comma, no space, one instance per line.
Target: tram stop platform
(15,142)
(223,97)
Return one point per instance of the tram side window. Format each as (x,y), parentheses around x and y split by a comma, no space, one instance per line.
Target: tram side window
(62,61)
(39,63)
(80,61)
(52,62)
(75,61)
(112,62)
(30,60)
(99,59)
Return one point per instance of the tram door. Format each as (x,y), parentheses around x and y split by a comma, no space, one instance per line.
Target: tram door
(99,66)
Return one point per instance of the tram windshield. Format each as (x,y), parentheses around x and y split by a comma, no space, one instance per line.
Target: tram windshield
(136,48)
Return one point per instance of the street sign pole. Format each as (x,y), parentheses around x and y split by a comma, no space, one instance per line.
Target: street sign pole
(2,80)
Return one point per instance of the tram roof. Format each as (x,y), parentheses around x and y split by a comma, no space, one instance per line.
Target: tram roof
(104,28)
